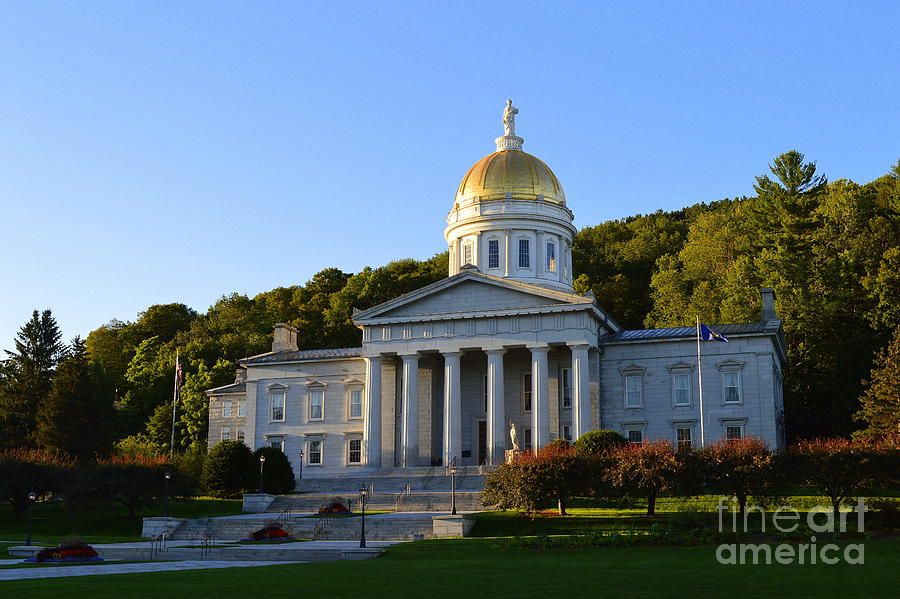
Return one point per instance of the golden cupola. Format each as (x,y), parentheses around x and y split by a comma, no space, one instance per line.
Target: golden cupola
(509,216)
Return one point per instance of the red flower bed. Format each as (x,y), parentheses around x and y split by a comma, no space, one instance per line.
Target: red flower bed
(67,551)
(270,533)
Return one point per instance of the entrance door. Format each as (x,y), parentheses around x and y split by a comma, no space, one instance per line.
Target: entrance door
(482,442)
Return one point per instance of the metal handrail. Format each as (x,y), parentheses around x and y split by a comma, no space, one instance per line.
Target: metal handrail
(321,525)
(427,479)
(158,544)
(207,544)
(406,491)
(286,513)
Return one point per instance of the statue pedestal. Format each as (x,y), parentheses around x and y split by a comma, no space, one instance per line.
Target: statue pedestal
(512,454)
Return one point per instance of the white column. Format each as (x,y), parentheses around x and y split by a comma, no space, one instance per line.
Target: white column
(454,268)
(581,399)
(496,414)
(540,398)
(452,408)
(538,254)
(372,414)
(410,440)
(507,241)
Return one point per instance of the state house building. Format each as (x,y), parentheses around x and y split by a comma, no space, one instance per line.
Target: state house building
(446,370)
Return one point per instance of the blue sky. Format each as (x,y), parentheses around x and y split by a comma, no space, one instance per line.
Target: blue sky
(153,152)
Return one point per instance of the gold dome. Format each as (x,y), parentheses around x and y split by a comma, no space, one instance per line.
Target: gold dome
(521,175)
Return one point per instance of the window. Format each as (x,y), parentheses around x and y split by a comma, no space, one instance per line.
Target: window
(732,383)
(636,437)
(399,391)
(633,391)
(681,383)
(485,394)
(354,451)
(316,404)
(467,254)
(315,452)
(683,438)
(734,432)
(277,401)
(276,443)
(227,410)
(567,433)
(242,409)
(526,391)
(527,437)
(565,379)
(524,258)
(551,257)
(226,433)
(493,253)
(240,434)
(356,403)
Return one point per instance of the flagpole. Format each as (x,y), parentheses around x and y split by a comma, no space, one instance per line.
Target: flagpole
(700,385)
(174,404)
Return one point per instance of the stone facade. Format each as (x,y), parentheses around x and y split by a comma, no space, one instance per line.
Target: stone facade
(445,370)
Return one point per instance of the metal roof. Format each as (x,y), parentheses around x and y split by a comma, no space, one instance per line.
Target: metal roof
(303,355)
(686,332)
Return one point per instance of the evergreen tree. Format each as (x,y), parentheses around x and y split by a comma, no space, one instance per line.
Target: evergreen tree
(881,402)
(28,374)
(72,419)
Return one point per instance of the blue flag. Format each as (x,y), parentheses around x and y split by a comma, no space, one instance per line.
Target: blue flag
(707,334)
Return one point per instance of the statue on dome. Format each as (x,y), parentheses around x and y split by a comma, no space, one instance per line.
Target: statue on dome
(509,119)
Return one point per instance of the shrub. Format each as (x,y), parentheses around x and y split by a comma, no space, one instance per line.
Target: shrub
(277,475)
(740,467)
(42,471)
(840,468)
(598,442)
(645,470)
(534,481)
(228,470)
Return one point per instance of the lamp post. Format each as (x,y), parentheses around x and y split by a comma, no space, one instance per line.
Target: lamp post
(301,464)
(31,498)
(168,476)
(363,493)
(453,489)
(262,462)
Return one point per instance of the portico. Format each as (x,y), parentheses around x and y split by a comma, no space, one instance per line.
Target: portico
(527,361)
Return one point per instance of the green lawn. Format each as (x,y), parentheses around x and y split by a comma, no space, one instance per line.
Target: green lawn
(50,523)
(476,567)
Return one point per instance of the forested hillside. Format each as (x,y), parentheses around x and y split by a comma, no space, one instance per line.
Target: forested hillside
(831,250)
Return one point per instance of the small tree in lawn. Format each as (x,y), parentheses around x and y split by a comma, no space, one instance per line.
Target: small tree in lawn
(228,470)
(277,475)
(555,473)
(594,443)
(740,467)
(840,468)
(645,470)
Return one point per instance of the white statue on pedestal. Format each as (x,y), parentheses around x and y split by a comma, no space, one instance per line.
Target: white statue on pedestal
(513,436)
(509,119)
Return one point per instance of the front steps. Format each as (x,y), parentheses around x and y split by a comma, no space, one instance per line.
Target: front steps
(393,481)
(436,501)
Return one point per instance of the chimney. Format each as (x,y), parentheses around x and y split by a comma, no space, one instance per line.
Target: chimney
(285,338)
(768,304)
(240,375)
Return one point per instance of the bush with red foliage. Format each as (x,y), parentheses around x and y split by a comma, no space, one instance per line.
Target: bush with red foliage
(645,470)
(740,467)
(534,481)
(841,469)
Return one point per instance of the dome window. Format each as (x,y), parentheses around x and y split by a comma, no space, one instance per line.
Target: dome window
(524,254)
(467,254)
(493,253)
(551,257)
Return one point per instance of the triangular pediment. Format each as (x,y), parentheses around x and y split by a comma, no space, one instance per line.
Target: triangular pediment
(471,292)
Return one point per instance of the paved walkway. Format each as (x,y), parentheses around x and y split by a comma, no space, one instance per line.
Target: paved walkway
(114,568)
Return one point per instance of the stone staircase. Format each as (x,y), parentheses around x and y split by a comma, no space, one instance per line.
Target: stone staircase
(381,527)
(470,478)
(415,501)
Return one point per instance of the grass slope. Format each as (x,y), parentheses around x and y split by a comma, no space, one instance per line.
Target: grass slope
(475,567)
